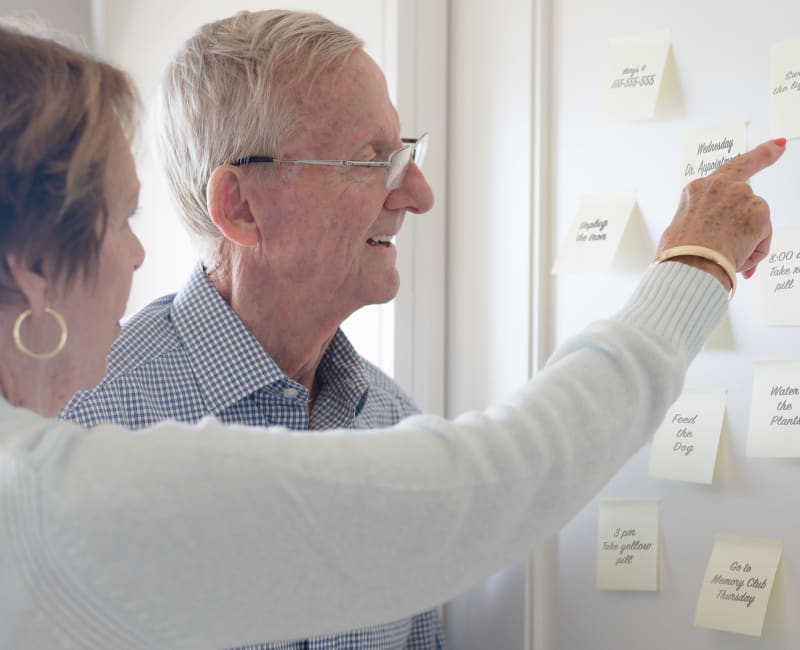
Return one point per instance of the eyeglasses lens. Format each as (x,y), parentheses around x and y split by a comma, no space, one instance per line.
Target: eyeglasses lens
(398,162)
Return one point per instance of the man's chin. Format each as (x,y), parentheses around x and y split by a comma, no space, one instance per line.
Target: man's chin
(386,294)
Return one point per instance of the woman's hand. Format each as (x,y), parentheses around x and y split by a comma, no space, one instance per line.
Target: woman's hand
(721,212)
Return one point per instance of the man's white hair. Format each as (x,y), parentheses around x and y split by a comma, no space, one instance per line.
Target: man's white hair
(222,98)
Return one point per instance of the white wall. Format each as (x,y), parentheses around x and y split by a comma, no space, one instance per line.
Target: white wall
(421,70)
(489,258)
(72,16)
(721,54)
(489,188)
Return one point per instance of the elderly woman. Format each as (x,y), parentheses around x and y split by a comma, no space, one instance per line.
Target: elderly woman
(173,537)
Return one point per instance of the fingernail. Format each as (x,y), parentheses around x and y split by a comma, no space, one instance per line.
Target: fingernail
(781,142)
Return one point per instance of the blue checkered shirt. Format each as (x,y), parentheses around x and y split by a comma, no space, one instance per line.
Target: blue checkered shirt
(187,356)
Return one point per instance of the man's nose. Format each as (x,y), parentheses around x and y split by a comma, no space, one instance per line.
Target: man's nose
(414,194)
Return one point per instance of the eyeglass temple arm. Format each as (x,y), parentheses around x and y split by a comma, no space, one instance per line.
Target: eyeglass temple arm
(342,163)
(253,159)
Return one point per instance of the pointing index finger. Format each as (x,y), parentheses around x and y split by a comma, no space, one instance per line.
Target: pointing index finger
(748,164)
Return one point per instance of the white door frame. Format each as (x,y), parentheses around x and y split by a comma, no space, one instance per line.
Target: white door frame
(420,73)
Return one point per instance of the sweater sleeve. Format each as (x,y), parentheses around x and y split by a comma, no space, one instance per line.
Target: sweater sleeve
(178,536)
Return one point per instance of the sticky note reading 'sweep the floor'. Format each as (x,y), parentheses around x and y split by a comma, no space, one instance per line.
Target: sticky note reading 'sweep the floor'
(784,107)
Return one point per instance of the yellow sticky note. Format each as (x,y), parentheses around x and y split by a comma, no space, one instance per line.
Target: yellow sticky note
(777,300)
(784,106)
(721,338)
(685,445)
(737,584)
(633,77)
(627,545)
(594,236)
(774,430)
(708,148)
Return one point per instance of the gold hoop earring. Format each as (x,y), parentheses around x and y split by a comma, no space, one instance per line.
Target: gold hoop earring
(40,355)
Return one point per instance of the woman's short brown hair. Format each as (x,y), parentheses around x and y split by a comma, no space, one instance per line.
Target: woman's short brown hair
(59,109)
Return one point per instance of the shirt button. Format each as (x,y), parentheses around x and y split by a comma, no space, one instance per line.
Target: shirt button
(290,393)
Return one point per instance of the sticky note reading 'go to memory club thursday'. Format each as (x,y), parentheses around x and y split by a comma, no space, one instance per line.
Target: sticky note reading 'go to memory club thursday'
(737,584)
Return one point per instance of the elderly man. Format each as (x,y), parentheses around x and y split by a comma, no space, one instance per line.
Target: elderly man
(285,154)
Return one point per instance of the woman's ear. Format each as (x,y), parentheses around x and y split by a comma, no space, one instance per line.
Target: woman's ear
(29,282)
(228,206)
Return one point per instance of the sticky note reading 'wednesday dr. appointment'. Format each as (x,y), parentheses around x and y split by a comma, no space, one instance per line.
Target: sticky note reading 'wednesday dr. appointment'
(595,235)
(627,545)
(784,106)
(685,445)
(774,430)
(737,584)
(633,77)
(777,299)
(705,150)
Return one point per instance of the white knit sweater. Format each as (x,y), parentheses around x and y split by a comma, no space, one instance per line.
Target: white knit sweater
(179,536)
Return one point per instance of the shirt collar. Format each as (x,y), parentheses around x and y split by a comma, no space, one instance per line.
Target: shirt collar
(230,364)
(343,373)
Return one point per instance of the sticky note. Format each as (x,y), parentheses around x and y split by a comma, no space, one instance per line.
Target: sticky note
(594,236)
(627,545)
(721,337)
(632,81)
(777,296)
(685,445)
(737,584)
(774,430)
(706,149)
(784,106)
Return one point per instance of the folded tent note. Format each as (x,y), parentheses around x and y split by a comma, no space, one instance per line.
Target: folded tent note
(595,234)
(627,545)
(777,298)
(706,149)
(737,584)
(774,430)
(685,445)
(633,77)
(784,107)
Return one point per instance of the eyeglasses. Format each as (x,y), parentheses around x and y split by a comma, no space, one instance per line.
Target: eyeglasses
(395,165)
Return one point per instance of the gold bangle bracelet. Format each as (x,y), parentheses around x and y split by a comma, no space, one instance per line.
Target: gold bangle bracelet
(706,253)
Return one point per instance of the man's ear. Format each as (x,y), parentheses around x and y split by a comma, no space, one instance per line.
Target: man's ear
(228,207)
(30,282)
